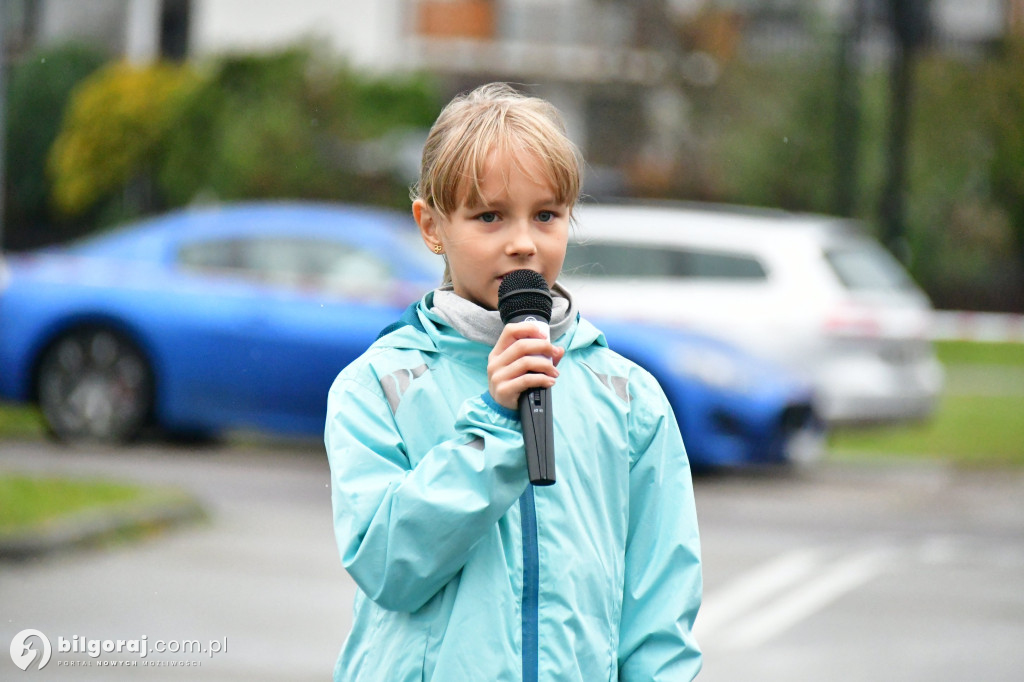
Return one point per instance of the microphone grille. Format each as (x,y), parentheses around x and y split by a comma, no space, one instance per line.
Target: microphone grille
(524,292)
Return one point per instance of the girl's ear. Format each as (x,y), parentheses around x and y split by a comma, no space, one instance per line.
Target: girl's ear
(426,219)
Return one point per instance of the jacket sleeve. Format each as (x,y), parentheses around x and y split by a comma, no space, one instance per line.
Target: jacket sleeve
(403,532)
(663,582)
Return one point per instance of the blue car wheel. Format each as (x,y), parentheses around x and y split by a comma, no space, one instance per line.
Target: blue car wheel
(95,385)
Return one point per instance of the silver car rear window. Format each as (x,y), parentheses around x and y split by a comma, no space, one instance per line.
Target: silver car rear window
(867,267)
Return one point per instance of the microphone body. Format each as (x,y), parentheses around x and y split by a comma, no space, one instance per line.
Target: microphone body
(524,297)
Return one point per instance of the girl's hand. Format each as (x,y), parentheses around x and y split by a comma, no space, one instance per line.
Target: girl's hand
(521,359)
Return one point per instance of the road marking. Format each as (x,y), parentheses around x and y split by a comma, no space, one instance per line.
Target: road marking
(753,588)
(831,583)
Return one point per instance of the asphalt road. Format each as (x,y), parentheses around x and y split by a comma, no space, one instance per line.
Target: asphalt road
(844,573)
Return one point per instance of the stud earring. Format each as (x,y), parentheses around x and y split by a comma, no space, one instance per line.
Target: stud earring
(438,248)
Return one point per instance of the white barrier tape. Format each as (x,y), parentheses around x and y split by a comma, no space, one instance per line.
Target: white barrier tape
(959,325)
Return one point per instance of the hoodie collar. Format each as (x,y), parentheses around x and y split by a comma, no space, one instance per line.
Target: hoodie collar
(422,328)
(477,324)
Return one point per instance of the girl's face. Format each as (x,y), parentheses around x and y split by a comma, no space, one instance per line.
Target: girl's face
(518,224)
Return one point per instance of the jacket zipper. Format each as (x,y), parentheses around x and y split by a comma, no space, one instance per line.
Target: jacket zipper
(531,588)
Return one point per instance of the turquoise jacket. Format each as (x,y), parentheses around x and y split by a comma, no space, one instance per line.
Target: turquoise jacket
(466,572)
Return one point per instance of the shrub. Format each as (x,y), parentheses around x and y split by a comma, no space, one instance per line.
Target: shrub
(288,124)
(113,128)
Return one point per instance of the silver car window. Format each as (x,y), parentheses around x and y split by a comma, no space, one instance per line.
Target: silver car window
(867,267)
(637,261)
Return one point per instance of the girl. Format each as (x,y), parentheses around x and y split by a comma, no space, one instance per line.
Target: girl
(466,572)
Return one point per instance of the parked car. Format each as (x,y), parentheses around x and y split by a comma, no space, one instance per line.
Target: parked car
(813,294)
(210,320)
(202,320)
(733,409)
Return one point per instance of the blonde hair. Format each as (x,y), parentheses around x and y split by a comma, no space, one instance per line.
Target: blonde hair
(494,118)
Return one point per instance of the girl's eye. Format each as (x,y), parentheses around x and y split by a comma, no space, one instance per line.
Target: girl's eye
(546,216)
(488,217)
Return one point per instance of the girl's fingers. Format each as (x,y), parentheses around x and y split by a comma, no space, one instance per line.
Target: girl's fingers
(507,393)
(515,332)
(522,359)
(528,364)
(524,356)
(526,348)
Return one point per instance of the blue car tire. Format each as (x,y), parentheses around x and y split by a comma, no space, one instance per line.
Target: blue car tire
(94,384)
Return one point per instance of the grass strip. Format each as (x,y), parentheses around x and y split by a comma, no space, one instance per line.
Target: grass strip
(29,501)
(20,422)
(953,353)
(969,430)
(44,515)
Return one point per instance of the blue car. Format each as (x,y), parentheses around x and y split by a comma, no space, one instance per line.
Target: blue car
(734,410)
(238,317)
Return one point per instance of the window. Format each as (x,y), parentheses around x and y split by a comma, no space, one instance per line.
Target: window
(867,267)
(632,261)
(212,255)
(290,261)
(724,266)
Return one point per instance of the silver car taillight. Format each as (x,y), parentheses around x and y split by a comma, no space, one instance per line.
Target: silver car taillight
(852,322)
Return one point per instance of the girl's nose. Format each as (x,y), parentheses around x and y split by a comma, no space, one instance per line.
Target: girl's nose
(520,241)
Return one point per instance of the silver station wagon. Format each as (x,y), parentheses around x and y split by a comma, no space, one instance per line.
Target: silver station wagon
(812,293)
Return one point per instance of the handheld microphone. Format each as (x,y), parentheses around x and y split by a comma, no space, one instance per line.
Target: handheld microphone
(523,296)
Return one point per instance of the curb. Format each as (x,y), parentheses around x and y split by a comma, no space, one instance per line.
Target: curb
(99,526)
